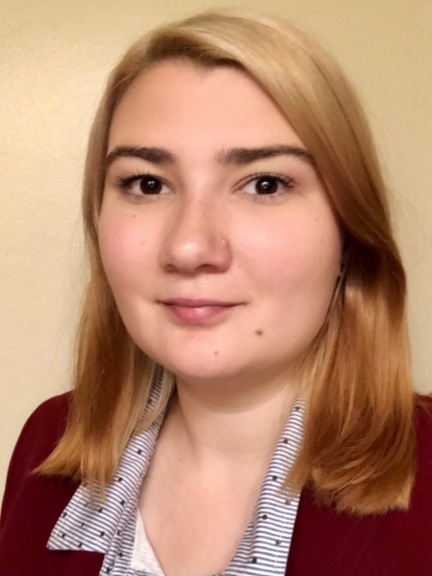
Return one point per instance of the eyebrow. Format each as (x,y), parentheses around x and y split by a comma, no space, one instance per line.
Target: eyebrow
(235,156)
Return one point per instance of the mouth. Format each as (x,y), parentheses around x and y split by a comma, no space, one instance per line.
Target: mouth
(198,310)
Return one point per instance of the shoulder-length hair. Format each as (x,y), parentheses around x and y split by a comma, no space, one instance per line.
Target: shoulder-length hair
(358,451)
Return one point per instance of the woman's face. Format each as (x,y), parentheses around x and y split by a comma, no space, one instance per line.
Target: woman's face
(216,235)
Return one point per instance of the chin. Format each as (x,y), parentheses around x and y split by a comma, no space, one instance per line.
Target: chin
(200,370)
(200,366)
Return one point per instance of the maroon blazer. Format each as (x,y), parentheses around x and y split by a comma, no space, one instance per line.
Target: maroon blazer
(325,543)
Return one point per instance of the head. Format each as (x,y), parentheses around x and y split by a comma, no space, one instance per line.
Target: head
(276,262)
(266,251)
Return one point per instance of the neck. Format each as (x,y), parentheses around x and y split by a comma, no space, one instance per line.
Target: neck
(230,424)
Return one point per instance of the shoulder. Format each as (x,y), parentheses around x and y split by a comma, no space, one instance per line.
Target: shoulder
(423,482)
(39,435)
(398,542)
(43,429)
(33,502)
(423,422)
(423,404)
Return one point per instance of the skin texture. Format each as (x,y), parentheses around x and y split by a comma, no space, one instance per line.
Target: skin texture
(210,234)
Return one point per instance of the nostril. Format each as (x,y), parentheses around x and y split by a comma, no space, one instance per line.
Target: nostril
(195,251)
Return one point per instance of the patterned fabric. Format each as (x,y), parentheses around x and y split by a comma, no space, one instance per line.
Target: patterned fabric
(109,526)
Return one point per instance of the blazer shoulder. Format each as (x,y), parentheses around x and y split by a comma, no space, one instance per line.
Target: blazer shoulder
(39,436)
(44,428)
(421,500)
(423,404)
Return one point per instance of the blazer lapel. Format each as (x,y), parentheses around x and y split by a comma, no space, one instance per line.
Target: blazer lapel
(82,563)
(327,542)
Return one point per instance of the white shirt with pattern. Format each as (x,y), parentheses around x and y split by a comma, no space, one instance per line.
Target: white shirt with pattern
(111,527)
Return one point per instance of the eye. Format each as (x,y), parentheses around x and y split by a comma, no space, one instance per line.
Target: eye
(263,184)
(140,185)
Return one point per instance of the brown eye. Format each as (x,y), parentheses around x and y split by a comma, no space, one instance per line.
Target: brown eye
(266,185)
(150,185)
(141,185)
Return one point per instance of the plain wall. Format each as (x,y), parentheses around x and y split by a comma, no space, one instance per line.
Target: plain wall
(54,60)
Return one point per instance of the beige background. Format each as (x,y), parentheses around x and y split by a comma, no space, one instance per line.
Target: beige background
(54,58)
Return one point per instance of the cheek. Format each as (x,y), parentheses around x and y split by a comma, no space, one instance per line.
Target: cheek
(315,258)
(298,265)
(297,252)
(124,246)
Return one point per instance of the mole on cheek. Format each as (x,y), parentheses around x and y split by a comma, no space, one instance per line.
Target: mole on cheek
(216,352)
(258,332)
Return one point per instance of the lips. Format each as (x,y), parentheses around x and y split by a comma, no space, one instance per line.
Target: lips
(198,310)
(196,302)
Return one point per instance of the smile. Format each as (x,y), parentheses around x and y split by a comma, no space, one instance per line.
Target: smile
(198,311)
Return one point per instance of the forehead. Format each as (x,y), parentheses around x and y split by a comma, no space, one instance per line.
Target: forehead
(178,101)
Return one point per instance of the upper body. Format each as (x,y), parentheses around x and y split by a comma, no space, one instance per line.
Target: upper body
(324,541)
(241,248)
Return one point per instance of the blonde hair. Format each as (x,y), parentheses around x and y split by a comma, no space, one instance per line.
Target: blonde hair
(359,444)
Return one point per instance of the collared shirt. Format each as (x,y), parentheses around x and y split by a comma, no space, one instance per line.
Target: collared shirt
(109,526)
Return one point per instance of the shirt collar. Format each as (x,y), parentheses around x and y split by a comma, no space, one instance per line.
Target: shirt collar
(107,526)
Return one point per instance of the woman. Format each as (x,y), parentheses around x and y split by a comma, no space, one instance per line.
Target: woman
(243,401)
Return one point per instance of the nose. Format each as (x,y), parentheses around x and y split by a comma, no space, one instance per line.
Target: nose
(196,239)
